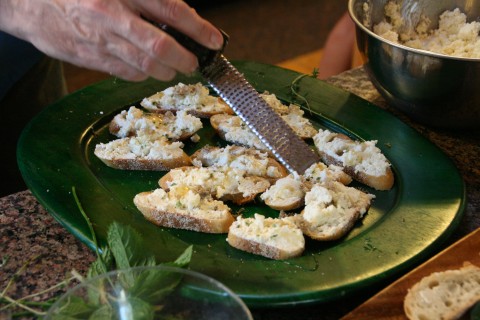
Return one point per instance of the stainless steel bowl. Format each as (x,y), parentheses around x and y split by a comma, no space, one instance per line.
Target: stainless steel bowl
(432,89)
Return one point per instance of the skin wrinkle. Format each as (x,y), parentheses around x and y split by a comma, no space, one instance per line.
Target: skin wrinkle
(109,35)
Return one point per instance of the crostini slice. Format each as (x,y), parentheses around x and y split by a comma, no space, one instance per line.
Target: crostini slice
(182,208)
(253,161)
(226,184)
(194,98)
(364,161)
(136,122)
(331,210)
(272,238)
(145,152)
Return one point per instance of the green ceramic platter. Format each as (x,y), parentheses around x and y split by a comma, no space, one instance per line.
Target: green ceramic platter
(403,227)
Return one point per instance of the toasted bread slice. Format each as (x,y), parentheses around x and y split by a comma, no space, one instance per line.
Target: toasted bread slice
(142,153)
(272,238)
(361,160)
(331,210)
(232,129)
(321,173)
(194,98)
(135,122)
(227,184)
(254,162)
(286,194)
(293,115)
(184,209)
(444,295)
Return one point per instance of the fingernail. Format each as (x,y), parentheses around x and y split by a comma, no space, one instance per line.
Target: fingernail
(217,40)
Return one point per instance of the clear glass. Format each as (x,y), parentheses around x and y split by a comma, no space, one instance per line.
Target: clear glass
(159,292)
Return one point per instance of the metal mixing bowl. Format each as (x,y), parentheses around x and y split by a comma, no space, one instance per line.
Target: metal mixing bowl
(433,89)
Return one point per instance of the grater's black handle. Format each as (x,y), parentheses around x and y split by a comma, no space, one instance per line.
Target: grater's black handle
(204,55)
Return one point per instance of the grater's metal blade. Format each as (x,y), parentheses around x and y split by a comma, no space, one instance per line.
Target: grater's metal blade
(272,130)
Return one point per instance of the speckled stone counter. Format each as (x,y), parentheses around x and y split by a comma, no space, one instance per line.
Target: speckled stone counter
(28,234)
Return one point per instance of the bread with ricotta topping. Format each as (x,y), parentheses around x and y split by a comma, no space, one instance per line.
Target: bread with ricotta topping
(253,161)
(331,210)
(136,122)
(142,153)
(194,98)
(181,208)
(226,184)
(272,238)
(362,160)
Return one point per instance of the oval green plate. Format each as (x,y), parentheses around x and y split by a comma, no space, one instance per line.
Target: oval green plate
(403,227)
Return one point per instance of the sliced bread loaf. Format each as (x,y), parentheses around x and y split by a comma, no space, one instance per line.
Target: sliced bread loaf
(444,295)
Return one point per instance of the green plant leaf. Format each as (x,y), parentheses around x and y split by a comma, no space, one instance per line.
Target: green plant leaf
(126,245)
(153,285)
(74,308)
(133,308)
(104,312)
(183,260)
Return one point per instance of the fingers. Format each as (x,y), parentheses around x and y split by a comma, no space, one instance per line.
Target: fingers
(160,59)
(180,16)
(151,50)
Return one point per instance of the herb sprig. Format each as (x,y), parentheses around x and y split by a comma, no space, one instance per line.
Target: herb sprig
(124,249)
(295,89)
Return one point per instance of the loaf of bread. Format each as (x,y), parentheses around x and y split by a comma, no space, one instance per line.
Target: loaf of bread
(155,153)
(361,160)
(252,161)
(331,210)
(194,98)
(444,295)
(182,208)
(273,238)
(135,122)
(226,184)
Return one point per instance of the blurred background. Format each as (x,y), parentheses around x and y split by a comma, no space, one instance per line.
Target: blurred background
(268,31)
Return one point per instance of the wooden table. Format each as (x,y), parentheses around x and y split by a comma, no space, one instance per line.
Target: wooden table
(28,234)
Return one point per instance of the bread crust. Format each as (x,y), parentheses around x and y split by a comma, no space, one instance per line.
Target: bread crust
(261,248)
(181,221)
(148,165)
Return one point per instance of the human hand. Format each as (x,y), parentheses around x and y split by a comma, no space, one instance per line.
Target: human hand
(110,35)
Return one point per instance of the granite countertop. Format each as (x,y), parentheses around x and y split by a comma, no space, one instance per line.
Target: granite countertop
(29,235)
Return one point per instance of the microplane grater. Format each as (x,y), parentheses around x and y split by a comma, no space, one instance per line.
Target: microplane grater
(247,103)
(262,119)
